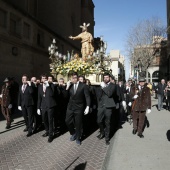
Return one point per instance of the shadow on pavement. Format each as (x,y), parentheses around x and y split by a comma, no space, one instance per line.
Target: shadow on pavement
(168,135)
(72,163)
(15,115)
(81,166)
(146,123)
(14,126)
(89,124)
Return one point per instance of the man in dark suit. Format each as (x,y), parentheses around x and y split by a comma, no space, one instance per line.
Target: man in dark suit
(122,103)
(160,89)
(141,106)
(26,103)
(62,105)
(106,104)
(79,98)
(46,105)
(128,93)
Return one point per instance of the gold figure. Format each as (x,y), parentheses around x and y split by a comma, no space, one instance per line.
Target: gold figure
(86,40)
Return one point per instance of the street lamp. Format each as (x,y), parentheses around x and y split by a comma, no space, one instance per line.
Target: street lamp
(56,57)
(102,59)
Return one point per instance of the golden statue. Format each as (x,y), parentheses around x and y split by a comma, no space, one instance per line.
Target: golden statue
(86,40)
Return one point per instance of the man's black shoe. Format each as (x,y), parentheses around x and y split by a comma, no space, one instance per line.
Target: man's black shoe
(73,137)
(25,130)
(107,142)
(100,136)
(29,134)
(78,142)
(140,135)
(50,139)
(45,134)
(134,131)
(8,126)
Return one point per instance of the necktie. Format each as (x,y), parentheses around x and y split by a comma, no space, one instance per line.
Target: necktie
(44,89)
(75,88)
(24,87)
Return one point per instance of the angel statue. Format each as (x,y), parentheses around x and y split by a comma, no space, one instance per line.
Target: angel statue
(86,40)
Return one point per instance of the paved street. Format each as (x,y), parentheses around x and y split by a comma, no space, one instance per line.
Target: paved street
(128,151)
(17,152)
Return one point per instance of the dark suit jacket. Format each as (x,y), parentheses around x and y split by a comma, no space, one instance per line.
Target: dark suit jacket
(26,98)
(129,94)
(160,89)
(106,96)
(143,102)
(47,100)
(7,96)
(121,92)
(79,100)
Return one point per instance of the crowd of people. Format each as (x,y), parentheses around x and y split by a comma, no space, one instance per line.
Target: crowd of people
(49,103)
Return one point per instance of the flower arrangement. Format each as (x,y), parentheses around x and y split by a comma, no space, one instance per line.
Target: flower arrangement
(75,65)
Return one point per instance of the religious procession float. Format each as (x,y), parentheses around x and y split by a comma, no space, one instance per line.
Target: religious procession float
(91,64)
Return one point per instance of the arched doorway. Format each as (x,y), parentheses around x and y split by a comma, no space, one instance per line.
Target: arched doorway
(155,76)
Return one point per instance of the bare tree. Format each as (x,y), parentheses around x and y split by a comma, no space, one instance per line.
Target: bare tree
(144,41)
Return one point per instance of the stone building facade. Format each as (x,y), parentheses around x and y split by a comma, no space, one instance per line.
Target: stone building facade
(27,28)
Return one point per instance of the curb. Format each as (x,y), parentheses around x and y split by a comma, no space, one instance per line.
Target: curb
(108,163)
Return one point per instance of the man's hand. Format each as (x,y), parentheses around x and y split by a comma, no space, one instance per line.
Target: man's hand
(68,85)
(148,111)
(46,83)
(135,96)
(124,103)
(10,106)
(71,37)
(103,85)
(29,83)
(38,112)
(86,110)
(0,95)
(130,104)
(19,108)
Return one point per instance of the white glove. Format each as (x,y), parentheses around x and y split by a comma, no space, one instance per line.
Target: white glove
(10,106)
(148,111)
(139,87)
(135,96)
(0,95)
(29,83)
(19,108)
(124,103)
(68,84)
(38,112)
(46,83)
(130,104)
(86,110)
(102,84)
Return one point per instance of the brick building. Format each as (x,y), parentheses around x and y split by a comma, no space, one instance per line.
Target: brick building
(27,28)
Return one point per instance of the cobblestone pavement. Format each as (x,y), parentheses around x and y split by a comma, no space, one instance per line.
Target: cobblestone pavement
(18,152)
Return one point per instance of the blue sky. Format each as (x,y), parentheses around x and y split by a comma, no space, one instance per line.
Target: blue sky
(113,18)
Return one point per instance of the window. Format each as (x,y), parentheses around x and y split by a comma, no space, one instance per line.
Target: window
(26,31)
(155,74)
(3,18)
(40,38)
(15,25)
